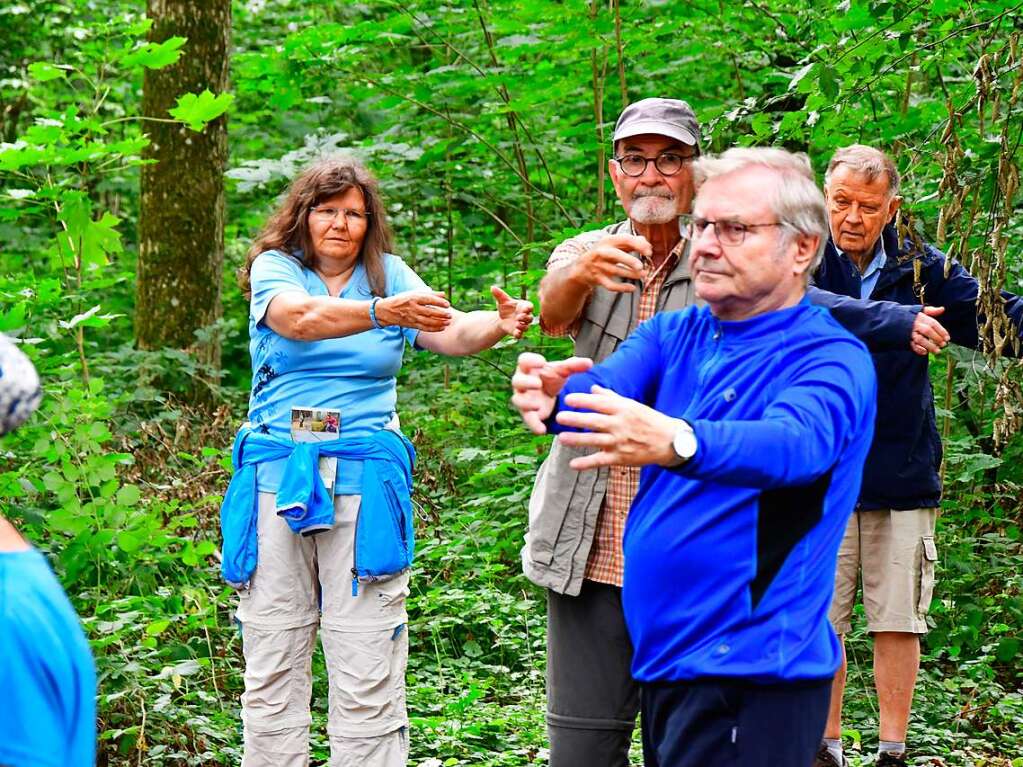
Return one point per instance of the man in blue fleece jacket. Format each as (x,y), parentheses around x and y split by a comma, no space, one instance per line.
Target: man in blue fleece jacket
(753,416)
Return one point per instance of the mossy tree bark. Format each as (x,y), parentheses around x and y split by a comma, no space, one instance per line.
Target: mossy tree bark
(181,213)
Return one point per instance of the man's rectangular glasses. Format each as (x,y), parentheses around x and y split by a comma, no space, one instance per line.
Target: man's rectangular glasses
(728,232)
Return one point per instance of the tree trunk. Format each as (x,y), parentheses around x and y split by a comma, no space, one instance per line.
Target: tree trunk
(181,213)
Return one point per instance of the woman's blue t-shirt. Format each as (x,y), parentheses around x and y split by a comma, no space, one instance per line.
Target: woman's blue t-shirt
(355,374)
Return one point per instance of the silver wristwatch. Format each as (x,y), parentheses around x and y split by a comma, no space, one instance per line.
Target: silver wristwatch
(684,441)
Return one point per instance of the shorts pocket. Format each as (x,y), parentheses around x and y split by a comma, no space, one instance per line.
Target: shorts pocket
(928,556)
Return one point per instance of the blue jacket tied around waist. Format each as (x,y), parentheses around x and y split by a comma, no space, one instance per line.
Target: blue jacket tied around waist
(384,543)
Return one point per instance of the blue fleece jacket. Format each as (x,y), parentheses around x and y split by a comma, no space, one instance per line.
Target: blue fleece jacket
(730,559)
(384,544)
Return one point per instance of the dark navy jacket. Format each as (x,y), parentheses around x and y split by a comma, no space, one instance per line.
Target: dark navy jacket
(902,468)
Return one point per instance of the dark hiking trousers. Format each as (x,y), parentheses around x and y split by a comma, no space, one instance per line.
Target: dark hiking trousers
(729,723)
(592,700)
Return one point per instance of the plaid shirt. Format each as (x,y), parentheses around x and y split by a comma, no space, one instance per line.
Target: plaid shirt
(606,561)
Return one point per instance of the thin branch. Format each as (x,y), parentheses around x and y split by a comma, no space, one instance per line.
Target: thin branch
(620,46)
(540,222)
(472,200)
(878,31)
(501,90)
(140,118)
(466,129)
(597,75)
(779,22)
(936,43)
(506,373)
(512,120)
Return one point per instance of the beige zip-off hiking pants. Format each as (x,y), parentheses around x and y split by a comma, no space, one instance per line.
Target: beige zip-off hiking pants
(364,642)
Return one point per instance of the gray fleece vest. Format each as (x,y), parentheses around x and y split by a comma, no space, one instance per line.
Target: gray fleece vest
(565,503)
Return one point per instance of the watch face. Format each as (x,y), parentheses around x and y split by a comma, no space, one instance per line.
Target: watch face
(685,442)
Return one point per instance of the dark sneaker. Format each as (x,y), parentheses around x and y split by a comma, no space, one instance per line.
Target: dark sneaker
(825,759)
(888,759)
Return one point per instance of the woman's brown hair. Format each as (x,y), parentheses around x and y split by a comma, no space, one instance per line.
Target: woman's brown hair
(287,229)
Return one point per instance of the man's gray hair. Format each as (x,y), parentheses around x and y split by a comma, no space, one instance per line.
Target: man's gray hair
(795,200)
(872,163)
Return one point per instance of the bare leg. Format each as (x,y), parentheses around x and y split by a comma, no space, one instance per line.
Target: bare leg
(833,729)
(896,662)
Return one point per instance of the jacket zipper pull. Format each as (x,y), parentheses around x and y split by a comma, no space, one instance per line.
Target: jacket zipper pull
(355,586)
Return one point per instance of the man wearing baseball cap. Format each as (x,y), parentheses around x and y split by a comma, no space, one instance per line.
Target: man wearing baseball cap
(600,285)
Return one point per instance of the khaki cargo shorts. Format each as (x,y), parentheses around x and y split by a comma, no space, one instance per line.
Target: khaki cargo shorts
(894,553)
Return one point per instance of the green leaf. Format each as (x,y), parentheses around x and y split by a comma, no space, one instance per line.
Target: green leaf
(762,124)
(197,111)
(79,318)
(85,239)
(828,82)
(205,549)
(44,70)
(801,75)
(128,542)
(792,124)
(128,495)
(14,317)
(189,556)
(974,616)
(1008,648)
(856,17)
(157,627)
(155,55)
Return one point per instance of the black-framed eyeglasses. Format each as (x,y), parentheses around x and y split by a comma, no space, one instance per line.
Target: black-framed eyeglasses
(727,232)
(667,163)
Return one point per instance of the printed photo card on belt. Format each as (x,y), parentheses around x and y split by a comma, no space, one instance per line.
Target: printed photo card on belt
(318,425)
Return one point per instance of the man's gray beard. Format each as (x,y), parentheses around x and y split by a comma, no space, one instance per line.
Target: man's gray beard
(653,210)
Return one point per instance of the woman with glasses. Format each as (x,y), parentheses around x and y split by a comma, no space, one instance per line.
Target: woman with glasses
(317,522)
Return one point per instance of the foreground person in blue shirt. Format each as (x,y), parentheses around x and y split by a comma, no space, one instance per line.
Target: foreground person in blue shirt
(752,416)
(46,670)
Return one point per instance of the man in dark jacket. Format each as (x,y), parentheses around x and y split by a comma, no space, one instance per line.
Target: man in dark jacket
(890,540)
